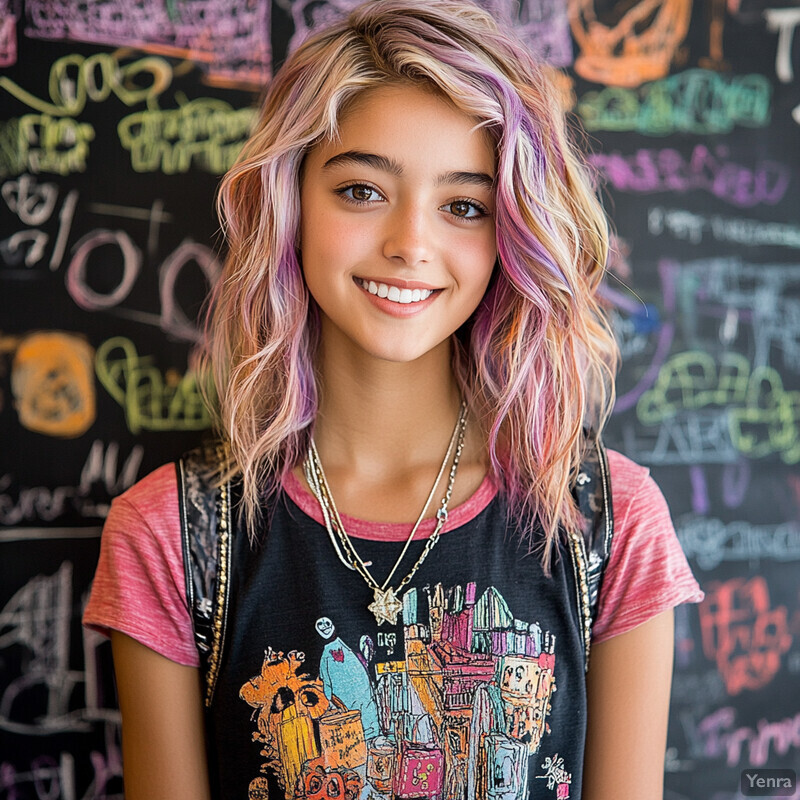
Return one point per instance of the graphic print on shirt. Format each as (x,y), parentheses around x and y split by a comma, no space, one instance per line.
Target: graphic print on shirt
(462,715)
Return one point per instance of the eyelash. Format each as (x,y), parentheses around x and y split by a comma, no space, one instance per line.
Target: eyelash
(479,207)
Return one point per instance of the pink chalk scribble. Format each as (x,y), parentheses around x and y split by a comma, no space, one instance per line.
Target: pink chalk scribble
(9,15)
(229,39)
(542,24)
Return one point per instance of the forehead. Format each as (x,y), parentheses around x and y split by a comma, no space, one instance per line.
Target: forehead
(413,125)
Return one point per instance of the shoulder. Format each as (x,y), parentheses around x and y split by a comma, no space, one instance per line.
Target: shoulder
(647,571)
(633,490)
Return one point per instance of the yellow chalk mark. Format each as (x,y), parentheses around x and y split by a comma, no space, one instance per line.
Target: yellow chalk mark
(152,400)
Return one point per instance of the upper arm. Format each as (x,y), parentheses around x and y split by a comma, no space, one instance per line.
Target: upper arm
(628,688)
(163,744)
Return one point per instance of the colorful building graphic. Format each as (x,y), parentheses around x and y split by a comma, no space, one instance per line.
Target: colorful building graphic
(462,716)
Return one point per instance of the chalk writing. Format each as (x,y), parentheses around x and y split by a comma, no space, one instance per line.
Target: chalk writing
(8,35)
(695,101)
(710,542)
(694,437)
(41,143)
(202,133)
(639,46)
(750,746)
(76,79)
(542,24)
(763,417)
(742,633)
(230,40)
(37,618)
(76,278)
(692,227)
(694,380)
(102,469)
(128,264)
(173,318)
(34,203)
(784,21)
(152,400)
(667,170)
(52,383)
(726,294)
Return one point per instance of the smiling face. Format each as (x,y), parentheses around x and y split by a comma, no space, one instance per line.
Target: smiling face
(397,227)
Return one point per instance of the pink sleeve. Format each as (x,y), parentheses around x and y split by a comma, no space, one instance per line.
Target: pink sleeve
(647,572)
(139,587)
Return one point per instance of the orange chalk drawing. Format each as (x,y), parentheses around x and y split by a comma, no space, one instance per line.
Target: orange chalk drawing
(52,382)
(638,46)
(743,634)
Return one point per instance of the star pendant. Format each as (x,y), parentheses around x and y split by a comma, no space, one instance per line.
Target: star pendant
(386,606)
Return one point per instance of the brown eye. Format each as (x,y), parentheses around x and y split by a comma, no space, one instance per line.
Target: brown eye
(359,193)
(362,192)
(460,208)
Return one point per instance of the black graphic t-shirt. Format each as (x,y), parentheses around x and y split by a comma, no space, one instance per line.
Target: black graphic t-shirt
(476,692)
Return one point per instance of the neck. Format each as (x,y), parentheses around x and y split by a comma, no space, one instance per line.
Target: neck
(378,417)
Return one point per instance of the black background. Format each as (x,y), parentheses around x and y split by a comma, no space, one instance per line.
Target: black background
(723,445)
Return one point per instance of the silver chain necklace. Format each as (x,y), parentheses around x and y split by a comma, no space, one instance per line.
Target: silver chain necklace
(386,605)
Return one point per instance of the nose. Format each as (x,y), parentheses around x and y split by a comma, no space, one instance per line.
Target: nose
(409,236)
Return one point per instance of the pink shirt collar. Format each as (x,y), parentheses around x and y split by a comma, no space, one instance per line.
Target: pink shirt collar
(392,531)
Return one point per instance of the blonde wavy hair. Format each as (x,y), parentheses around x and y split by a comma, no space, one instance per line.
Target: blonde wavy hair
(536,360)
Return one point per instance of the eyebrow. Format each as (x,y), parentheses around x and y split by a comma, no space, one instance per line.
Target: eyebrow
(460,177)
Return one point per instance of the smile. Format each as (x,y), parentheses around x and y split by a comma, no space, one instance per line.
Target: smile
(393,293)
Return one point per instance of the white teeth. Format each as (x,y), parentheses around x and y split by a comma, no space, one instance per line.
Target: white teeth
(394,293)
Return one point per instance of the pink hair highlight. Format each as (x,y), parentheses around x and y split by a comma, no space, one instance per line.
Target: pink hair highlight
(538,349)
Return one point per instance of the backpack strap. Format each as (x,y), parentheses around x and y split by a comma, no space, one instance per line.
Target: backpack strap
(591,548)
(205,509)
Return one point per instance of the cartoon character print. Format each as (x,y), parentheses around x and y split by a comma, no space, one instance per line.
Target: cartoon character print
(318,782)
(288,703)
(461,715)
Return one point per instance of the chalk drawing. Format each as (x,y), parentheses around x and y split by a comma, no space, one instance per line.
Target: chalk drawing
(9,18)
(764,418)
(202,134)
(41,143)
(76,79)
(34,203)
(693,227)
(710,542)
(52,383)
(784,21)
(667,170)
(742,633)
(746,746)
(229,40)
(542,24)
(693,101)
(638,46)
(37,618)
(152,400)
(104,471)
(694,437)
(76,278)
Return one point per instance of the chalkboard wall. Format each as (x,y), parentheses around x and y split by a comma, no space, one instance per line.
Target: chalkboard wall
(116,121)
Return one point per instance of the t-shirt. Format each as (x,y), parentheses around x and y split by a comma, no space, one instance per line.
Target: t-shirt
(139,586)
(475,691)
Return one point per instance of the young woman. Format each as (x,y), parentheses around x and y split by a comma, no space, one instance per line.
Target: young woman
(388,589)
